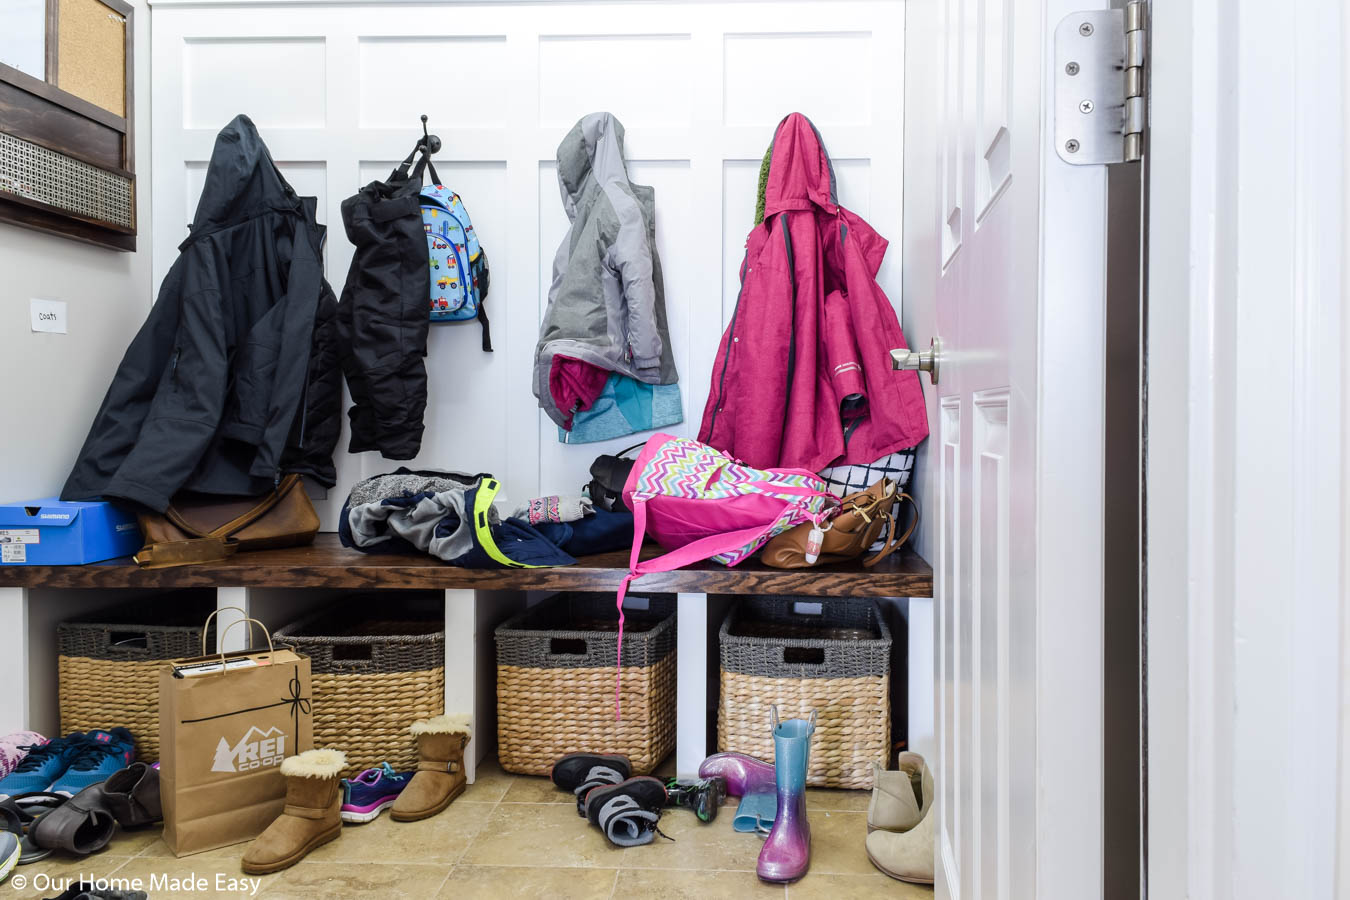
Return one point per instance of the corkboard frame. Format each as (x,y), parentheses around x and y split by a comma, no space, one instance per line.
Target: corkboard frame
(37,111)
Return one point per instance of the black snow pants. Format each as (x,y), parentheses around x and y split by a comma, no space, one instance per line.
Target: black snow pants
(384,315)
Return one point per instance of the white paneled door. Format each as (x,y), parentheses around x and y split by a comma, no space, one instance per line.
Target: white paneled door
(1004,263)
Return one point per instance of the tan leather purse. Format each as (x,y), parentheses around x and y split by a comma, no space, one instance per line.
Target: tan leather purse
(862,520)
(199,528)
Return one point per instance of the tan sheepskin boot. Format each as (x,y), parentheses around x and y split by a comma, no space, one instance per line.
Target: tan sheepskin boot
(440,768)
(900,799)
(312,816)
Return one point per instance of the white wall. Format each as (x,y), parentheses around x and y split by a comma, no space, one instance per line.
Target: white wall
(55,382)
(335,91)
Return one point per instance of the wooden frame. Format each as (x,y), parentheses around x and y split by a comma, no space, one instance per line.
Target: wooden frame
(37,111)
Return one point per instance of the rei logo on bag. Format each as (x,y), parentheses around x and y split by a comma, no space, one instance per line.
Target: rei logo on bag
(257,749)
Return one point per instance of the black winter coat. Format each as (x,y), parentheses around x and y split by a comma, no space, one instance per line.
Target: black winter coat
(210,393)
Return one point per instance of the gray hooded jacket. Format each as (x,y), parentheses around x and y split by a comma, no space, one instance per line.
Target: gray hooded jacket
(606,305)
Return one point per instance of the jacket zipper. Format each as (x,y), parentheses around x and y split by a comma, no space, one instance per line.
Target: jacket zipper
(726,360)
(177,352)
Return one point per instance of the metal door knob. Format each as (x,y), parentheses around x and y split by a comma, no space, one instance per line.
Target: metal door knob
(919,360)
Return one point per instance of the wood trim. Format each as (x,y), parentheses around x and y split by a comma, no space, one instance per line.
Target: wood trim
(63,225)
(32,118)
(51,42)
(53,94)
(129,141)
(327,564)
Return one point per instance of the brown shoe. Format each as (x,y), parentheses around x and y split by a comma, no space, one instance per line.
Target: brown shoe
(132,795)
(440,768)
(312,816)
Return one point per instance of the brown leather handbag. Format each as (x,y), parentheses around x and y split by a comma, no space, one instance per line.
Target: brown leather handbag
(198,528)
(862,520)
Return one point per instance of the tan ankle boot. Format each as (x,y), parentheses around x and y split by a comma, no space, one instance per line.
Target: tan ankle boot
(906,856)
(900,799)
(440,768)
(312,816)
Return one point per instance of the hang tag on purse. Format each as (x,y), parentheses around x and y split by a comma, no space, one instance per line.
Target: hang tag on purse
(813,542)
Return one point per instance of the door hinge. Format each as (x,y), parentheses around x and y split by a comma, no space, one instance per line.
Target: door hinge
(1101,106)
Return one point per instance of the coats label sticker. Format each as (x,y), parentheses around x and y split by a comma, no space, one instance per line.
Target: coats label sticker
(13,553)
(20,536)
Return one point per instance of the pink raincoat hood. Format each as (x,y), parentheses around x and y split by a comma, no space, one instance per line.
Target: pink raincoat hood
(802,377)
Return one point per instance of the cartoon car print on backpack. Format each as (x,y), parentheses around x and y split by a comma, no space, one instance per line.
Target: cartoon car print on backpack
(443,283)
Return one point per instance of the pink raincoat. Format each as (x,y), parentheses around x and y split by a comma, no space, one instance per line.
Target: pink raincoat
(803,375)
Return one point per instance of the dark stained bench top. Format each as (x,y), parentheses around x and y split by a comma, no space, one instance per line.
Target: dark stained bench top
(327,564)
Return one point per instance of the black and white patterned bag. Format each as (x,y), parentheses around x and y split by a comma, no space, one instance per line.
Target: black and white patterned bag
(849,479)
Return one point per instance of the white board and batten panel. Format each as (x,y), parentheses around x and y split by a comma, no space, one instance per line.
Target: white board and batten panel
(336,91)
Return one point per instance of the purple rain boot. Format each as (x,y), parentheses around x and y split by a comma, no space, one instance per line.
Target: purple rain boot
(787,851)
(743,774)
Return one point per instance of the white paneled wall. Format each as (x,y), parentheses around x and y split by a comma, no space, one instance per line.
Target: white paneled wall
(336,90)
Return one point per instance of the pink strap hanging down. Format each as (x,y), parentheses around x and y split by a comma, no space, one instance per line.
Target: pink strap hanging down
(703,548)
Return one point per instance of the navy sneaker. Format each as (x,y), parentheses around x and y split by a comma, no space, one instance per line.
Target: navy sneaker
(39,770)
(97,755)
(370,793)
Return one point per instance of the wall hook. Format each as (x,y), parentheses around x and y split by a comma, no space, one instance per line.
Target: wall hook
(429,142)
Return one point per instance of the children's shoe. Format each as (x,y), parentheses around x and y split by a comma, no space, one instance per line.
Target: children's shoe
(97,754)
(628,812)
(703,796)
(42,765)
(14,747)
(582,772)
(9,853)
(371,793)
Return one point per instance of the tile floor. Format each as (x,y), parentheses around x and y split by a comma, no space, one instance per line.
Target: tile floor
(508,836)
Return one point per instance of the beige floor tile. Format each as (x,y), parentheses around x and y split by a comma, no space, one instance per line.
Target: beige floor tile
(341,881)
(158,849)
(190,877)
(439,839)
(51,876)
(539,834)
(663,884)
(845,801)
(526,883)
(838,843)
(713,847)
(533,789)
(816,886)
(490,783)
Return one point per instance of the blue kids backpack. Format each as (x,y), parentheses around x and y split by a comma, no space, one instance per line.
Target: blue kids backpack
(459,267)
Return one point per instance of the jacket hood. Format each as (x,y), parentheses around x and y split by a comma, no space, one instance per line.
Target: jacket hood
(800,171)
(241,179)
(592,150)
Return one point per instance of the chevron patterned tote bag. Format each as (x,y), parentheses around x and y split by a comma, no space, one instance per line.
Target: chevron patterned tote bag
(698,503)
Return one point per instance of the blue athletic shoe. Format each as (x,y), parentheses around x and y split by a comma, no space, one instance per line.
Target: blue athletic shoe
(97,755)
(370,793)
(42,766)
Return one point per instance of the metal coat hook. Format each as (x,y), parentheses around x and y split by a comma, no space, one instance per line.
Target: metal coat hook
(429,142)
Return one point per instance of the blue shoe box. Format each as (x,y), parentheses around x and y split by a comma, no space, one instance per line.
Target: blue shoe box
(52,532)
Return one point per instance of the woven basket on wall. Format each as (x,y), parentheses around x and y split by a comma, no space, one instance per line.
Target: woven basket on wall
(835,662)
(108,666)
(373,672)
(555,683)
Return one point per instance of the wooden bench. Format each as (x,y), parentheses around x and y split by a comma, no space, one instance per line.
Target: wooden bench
(277,586)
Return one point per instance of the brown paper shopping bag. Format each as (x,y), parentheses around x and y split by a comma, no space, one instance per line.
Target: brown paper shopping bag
(225,724)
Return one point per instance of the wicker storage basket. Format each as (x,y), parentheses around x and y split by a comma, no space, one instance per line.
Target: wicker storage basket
(836,662)
(374,671)
(108,663)
(555,683)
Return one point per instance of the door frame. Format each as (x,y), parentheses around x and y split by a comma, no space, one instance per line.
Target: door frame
(1246,468)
